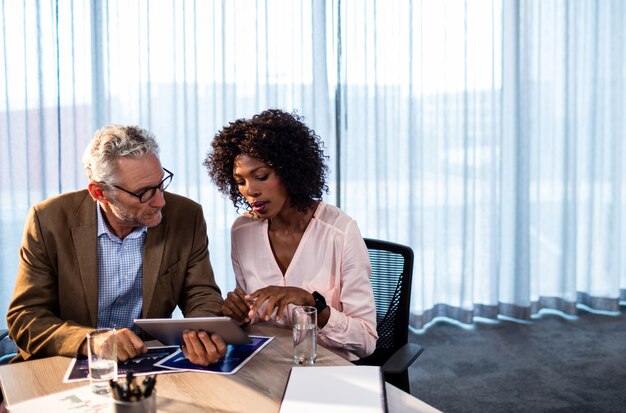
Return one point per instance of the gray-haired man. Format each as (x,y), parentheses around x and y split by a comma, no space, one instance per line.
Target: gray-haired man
(119,250)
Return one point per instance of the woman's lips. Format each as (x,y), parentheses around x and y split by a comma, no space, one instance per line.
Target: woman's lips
(260,206)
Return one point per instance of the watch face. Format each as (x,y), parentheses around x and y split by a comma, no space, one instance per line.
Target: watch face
(320,302)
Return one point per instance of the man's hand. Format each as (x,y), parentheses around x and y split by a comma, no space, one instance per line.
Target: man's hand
(129,345)
(203,349)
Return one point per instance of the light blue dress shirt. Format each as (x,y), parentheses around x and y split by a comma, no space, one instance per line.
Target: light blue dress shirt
(120,264)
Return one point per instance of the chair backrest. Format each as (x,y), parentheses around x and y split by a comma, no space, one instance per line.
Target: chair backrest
(8,349)
(392,273)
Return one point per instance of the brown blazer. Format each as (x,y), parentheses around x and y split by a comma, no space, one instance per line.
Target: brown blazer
(55,302)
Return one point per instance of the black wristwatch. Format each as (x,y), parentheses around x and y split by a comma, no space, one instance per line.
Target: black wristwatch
(320,302)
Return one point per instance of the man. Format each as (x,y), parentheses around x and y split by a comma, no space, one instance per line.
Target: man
(119,250)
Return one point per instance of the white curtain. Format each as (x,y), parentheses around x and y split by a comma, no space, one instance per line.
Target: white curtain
(182,69)
(487,135)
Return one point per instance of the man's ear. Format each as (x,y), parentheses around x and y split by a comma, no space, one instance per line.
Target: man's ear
(96,191)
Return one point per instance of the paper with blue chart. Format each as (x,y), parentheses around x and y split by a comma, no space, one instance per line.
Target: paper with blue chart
(236,356)
(78,369)
(168,359)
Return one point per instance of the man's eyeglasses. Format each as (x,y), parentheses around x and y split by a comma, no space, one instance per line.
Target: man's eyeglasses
(146,194)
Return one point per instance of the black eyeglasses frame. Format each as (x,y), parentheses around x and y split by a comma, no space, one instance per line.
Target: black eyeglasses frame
(162,186)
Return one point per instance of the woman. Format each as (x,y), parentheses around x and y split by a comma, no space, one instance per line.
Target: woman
(289,247)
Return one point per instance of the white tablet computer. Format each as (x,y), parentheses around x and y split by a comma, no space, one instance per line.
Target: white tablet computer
(169,331)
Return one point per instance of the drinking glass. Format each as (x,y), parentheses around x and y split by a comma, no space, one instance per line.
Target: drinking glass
(304,329)
(102,358)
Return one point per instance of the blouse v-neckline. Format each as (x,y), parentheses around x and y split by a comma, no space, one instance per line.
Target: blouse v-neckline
(305,236)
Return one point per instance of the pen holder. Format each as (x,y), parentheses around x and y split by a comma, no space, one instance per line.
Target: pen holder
(147,405)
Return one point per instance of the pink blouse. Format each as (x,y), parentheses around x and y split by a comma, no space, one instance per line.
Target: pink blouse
(331,259)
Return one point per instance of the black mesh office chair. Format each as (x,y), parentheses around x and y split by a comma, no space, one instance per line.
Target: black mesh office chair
(392,273)
(8,349)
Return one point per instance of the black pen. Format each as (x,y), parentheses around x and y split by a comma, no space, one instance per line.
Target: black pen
(131,385)
(149,386)
(146,385)
(124,391)
(136,394)
(116,390)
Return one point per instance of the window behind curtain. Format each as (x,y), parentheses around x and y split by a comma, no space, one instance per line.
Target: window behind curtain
(488,135)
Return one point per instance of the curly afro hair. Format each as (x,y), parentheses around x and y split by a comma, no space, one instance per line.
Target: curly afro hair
(283,142)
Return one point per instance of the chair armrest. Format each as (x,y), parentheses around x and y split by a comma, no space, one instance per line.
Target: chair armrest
(400,361)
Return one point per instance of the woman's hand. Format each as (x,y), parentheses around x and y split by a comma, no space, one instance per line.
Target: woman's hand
(236,306)
(277,298)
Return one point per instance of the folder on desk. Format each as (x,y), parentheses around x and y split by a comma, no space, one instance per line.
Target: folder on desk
(335,389)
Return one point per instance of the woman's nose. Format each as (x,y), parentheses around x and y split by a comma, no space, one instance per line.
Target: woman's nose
(252,190)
